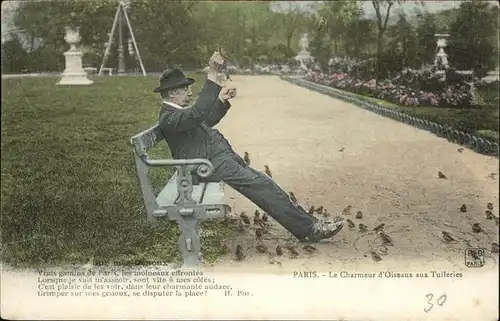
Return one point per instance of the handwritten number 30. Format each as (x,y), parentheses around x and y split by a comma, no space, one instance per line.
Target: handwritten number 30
(440,301)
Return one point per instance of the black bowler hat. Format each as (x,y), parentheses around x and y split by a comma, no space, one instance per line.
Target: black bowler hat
(173,79)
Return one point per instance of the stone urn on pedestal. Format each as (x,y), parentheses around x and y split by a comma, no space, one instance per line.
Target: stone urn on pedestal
(441,59)
(74,73)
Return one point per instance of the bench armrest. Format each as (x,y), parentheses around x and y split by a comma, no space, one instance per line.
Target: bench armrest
(204,170)
(150,137)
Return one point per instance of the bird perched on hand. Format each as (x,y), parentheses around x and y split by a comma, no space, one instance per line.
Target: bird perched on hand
(246,158)
(268,171)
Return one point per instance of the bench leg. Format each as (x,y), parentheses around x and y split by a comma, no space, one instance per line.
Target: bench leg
(189,241)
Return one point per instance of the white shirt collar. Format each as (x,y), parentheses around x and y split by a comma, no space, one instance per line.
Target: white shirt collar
(179,107)
(172,104)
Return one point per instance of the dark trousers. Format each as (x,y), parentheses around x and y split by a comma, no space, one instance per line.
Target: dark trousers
(262,191)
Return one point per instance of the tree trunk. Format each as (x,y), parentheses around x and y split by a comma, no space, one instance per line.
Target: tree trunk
(379,55)
(32,44)
(289,40)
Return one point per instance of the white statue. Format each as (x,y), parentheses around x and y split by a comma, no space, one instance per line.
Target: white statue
(304,42)
(304,57)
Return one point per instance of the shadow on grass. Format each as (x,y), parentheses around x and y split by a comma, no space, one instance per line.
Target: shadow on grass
(69,186)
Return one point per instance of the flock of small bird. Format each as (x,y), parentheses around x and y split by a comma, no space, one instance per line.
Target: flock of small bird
(476,227)
(362,228)
(261,227)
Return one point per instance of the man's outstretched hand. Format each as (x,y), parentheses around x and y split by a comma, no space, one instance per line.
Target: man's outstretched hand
(214,65)
(228,93)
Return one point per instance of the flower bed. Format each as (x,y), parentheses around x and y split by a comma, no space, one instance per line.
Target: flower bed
(400,90)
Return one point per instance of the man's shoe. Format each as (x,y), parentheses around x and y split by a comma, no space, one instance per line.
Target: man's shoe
(324,229)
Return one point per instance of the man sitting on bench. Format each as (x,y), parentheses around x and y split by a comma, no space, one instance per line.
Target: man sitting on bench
(189,133)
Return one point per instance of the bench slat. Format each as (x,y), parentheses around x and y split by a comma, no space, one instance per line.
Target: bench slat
(144,141)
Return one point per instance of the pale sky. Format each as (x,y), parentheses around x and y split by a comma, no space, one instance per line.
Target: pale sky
(407,6)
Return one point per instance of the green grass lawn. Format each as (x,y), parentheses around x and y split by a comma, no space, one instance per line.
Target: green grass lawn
(481,121)
(69,186)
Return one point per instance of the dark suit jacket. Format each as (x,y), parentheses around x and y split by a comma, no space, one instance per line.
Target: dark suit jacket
(189,131)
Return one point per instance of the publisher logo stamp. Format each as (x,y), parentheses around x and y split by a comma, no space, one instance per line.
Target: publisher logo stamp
(474,257)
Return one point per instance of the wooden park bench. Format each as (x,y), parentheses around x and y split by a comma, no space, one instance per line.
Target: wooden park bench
(185,199)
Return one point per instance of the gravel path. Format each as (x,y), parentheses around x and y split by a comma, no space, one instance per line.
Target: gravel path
(334,154)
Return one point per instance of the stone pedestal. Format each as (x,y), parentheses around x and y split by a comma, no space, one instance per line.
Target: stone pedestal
(74,73)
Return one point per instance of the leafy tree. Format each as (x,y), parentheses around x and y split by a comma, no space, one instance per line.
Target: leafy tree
(427,27)
(280,54)
(14,57)
(339,17)
(471,45)
(46,20)
(359,37)
(169,36)
(404,41)
(320,48)
(382,11)
(291,19)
